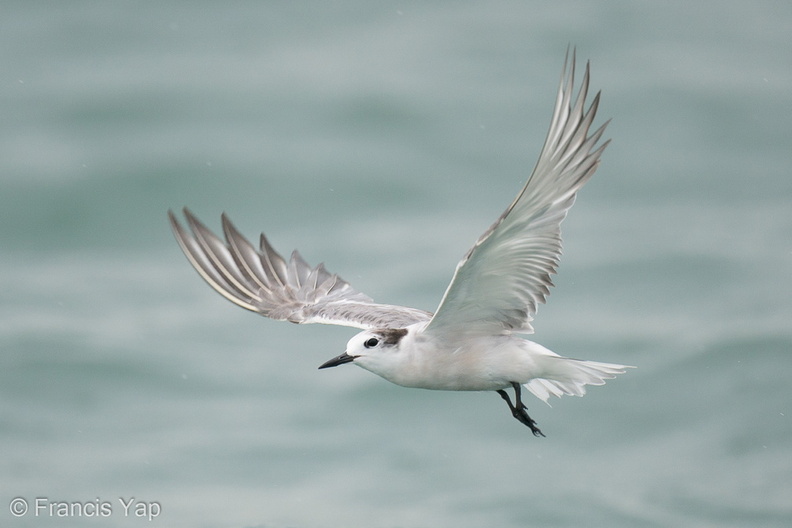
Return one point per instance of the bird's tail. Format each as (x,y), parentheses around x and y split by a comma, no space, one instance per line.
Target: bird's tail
(570,376)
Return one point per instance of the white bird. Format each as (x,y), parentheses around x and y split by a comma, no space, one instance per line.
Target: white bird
(471,342)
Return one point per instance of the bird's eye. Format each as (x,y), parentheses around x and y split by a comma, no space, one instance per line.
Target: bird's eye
(371,342)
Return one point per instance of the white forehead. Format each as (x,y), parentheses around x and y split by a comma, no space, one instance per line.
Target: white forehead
(358,340)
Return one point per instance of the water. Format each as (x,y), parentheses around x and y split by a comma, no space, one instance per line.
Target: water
(383,139)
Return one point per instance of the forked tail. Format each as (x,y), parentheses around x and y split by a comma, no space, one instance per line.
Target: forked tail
(570,376)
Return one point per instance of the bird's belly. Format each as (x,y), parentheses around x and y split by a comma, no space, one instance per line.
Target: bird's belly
(468,369)
(456,383)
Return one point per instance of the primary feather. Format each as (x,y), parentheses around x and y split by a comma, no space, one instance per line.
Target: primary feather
(499,283)
(263,281)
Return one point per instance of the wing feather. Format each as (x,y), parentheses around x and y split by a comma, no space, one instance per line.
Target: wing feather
(502,279)
(263,281)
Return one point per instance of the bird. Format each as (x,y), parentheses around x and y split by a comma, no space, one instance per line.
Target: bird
(474,341)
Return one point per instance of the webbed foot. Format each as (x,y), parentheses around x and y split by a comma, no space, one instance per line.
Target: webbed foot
(520,411)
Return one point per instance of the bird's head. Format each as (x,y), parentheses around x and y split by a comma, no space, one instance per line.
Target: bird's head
(374,350)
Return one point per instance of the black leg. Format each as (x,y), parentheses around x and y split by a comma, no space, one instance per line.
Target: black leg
(519,410)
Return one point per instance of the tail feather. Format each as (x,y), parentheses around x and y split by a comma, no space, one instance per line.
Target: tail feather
(570,376)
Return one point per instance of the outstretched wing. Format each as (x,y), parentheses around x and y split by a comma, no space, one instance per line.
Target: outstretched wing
(262,281)
(499,283)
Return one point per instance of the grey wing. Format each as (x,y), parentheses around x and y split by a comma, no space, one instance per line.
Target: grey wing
(499,283)
(263,281)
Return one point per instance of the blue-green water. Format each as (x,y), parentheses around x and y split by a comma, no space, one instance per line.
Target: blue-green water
(383,138)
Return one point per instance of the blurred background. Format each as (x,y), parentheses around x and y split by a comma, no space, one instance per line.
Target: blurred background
(382,139)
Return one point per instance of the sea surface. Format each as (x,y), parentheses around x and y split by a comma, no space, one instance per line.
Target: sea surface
(383,138)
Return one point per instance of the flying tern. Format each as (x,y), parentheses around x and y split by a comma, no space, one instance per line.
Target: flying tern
(472,342)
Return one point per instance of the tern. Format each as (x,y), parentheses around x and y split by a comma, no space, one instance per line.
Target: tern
(472,342)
